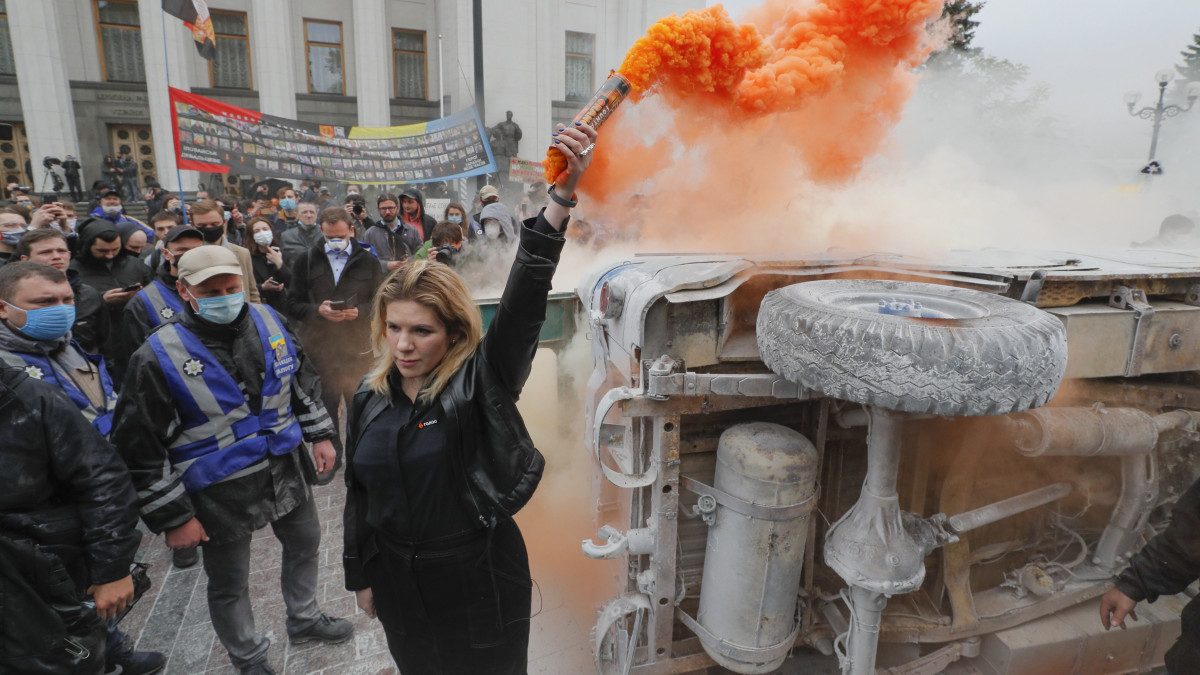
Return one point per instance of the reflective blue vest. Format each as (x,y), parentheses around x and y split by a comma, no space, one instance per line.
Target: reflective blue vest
(220,435)
(39,367)
(160,302)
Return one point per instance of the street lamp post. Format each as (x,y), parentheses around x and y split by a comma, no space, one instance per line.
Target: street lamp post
(1160,111)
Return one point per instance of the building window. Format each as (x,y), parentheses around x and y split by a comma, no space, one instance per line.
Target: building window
(323,43)
(408,59)
(7,65)
(580,48)
(231,68)
(120,35)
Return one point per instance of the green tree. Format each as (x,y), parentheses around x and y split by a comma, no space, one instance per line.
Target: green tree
(960,14)
(1189,71)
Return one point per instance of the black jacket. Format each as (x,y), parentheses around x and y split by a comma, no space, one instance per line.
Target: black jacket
(121,272)
(263,270)
(135,326)
(146,420)
(491,449)
(297,240)
(312,283)
(1171,560)
(56,464)
(390,245)
(92,322)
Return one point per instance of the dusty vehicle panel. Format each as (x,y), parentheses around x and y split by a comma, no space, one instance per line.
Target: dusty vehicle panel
(1015,522)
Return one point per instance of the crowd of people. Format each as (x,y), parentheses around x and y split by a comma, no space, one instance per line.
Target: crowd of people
(192,372)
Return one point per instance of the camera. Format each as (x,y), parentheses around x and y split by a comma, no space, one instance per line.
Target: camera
(357,208)
(22,188)
(447,254)
(51,161)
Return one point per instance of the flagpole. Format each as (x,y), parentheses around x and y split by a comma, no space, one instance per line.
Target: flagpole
(167,68)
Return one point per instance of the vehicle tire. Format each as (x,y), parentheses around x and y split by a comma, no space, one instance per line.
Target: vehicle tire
(960,352)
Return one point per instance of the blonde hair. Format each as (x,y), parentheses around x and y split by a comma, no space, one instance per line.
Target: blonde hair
(438,287)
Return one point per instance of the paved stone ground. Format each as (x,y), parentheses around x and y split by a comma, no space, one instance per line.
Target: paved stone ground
(173,615)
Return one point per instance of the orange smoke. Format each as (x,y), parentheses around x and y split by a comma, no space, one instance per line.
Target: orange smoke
(807,91)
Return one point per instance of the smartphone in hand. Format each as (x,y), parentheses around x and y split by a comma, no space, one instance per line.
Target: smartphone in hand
(135,287)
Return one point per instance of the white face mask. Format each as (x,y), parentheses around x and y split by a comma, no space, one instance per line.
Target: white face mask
(263,237)
(111,210)
(338,244)
(492,230)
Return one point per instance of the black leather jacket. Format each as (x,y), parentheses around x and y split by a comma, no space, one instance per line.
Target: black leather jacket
(490,447)
(62,483)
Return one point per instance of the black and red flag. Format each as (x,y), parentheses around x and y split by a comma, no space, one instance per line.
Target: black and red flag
(195,16)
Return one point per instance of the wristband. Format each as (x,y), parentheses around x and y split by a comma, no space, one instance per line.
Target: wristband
(559,200)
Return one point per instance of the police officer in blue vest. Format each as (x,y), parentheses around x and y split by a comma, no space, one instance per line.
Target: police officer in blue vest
(158,302)
(153,306)
(210,421)
(37,310)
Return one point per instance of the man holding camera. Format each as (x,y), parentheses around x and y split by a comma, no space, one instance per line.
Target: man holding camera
(356,207)
(445,245)
(333,284)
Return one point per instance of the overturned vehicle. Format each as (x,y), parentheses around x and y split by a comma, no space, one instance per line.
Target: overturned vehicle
(890,465)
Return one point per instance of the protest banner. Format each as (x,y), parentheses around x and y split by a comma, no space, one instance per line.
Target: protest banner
(220,138)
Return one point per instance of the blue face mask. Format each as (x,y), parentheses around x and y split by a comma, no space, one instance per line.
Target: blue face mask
(222,309)
(457,220)
(47,323)
(287,204)
(12,237)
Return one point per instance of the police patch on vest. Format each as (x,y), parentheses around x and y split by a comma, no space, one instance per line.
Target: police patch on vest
(193,367)
(34,372)
(284,363)
(166,313)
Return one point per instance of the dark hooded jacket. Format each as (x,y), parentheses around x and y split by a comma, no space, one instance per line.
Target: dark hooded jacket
(491,451)
(101,275)
(92,323)
(121,272)
(428,222)
(126,231)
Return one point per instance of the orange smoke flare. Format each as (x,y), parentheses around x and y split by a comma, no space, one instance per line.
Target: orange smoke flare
(701,51)
(804,90)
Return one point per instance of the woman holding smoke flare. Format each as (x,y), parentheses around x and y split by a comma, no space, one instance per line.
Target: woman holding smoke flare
(438,458)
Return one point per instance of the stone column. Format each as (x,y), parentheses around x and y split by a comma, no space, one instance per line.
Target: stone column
(274,56)
(179,48)
(372,63)
(42,81)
